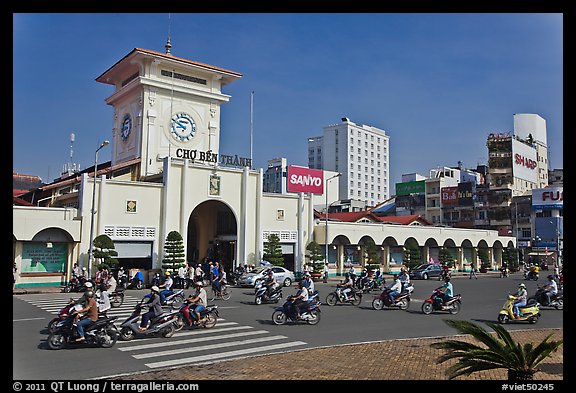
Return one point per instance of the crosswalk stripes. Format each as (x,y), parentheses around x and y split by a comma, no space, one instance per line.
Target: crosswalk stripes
(226,341)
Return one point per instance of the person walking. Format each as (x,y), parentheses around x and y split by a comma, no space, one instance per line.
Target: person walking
(325,275)
(473,270)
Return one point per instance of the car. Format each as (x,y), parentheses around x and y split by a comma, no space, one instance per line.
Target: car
(426,271)
(282,275)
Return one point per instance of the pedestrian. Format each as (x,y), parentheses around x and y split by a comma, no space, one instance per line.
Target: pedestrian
(473,270)
(14,275)
(181,276)
(325,275)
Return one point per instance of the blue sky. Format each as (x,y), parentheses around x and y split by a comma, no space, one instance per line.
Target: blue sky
(438,84)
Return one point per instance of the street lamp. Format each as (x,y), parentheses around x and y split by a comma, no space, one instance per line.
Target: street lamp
(91,249)
(326,216)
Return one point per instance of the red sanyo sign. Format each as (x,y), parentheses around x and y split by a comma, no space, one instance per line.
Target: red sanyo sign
(301,179)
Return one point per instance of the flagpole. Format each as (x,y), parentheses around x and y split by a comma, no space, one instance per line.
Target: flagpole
(251,124)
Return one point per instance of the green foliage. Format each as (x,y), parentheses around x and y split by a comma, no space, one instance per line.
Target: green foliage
(412,256)
(484,258)
(315,255)
(501,351)
(445,257)
(173,252)
(104,250)
(273,251)
(372,252)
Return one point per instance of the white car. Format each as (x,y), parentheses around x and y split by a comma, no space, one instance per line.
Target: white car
(281,275)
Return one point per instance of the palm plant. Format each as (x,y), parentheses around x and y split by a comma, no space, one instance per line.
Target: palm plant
(521,361)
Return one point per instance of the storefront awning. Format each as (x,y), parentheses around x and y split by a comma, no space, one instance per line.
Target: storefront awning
(542,254)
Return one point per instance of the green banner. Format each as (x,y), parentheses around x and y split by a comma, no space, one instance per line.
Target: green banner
(411,187)
(37,257)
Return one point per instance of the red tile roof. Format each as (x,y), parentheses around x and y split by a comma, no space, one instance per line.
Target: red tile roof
(357,216)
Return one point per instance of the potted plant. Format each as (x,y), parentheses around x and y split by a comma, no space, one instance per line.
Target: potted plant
(501,351)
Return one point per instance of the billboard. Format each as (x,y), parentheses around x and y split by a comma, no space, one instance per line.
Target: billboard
(548,198)
(411,187)
(302,179)
(524,161)
(449,196)
(466,194)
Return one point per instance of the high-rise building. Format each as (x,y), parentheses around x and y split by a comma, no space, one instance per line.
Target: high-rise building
(275,176)
(361,153)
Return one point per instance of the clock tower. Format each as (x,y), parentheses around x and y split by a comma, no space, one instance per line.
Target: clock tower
(163,103)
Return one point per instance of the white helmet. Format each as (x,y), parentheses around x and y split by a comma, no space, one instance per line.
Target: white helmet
(155,288)
(199,284)
(88,285)
(521,285)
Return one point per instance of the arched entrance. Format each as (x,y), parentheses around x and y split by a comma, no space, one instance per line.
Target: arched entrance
(212,234)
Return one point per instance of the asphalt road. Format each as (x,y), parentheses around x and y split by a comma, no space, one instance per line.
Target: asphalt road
(246,328)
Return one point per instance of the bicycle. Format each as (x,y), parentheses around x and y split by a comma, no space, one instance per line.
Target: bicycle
(224,293)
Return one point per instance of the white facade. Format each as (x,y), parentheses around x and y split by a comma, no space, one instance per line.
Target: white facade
(526,124)
(361,153)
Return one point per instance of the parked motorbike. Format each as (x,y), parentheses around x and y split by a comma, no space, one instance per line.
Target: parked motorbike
(208,317)
(309,314)
(434,303)
(137,281)
(354,298)
(263,297)
(76,284)
(102,333)
(556,301)
(161,325)
(530,312)
(402,301)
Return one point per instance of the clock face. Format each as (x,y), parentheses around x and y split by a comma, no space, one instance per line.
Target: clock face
(182,127)
(126,127)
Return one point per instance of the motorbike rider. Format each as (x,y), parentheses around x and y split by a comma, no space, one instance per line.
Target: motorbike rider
(533,270)
(197,301)
(269,282)
(154,308)
(300,299)
(308,282)
(346,286)
(76,271)
(394,288)
(445,291)
(91,310)
(504,268)
(550,288)
(167,285)
(521,298)
(404,278)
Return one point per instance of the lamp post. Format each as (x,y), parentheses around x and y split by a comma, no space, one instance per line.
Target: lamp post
(326,216)
(91,249)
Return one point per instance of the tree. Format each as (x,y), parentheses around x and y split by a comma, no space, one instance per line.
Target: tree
(273,251)
(173,251)
(521,361)
(104,249)
(315,255)
(372,253)
(445,257)
(412,256)
(484,259)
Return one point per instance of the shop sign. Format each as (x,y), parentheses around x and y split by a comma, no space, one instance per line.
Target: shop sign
(301,179)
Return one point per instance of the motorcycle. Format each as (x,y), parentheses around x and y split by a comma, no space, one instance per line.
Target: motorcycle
(162,325)
(76,284)
(402,301)
(174,300)
(504,272)
(530,312)
(63,314)
(556,301)
(309,314)
(123,281)
(338,296)
(531,275)
(434,303)
(445,273)
(102,333)
(137,281)
(274,296)
(208,317)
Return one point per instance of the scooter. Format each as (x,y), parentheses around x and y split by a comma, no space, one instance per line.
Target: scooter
(531,275)
(274,296)
(309,314)
(208,317)
(402,301)
(434,303)
(354,298)
(174,300)
(161,325)
(63,314)
(556,301)
(530,312)
(102,333)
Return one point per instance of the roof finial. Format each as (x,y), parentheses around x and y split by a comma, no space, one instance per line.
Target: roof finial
(168,45)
